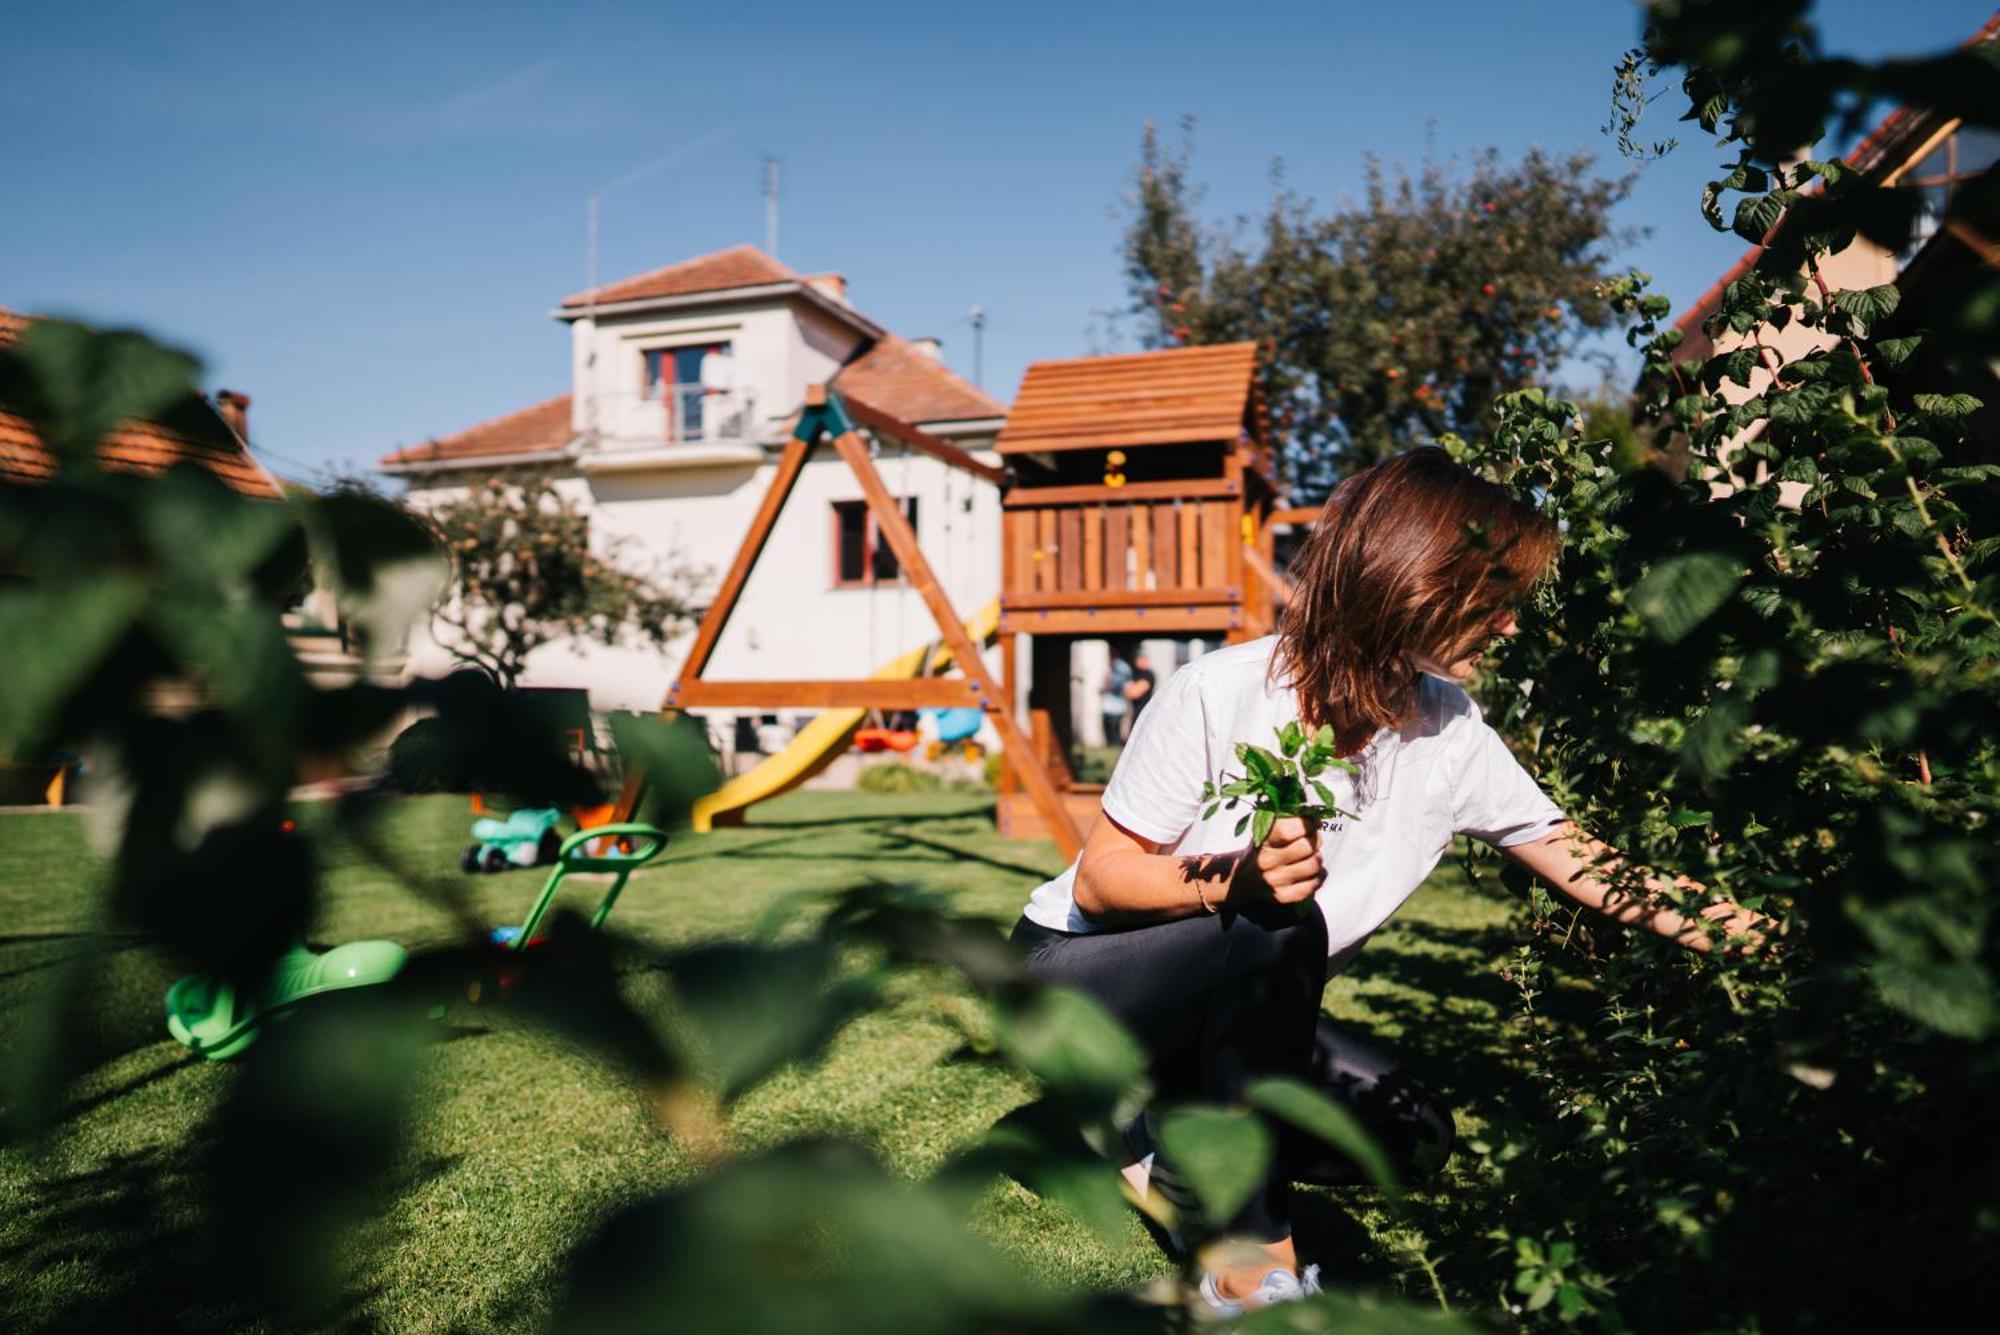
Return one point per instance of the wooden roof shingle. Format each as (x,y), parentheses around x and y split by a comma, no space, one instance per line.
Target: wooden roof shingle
(1169,397)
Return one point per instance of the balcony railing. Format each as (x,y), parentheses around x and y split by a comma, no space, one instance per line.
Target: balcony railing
(676,415)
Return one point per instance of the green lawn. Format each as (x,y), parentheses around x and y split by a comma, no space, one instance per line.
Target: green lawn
(521,1142)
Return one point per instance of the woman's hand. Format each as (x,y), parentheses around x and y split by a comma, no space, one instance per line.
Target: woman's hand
(1594,876)
(1745,931)
(1284,869)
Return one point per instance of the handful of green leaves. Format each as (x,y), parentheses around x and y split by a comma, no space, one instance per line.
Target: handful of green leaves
(1285,784)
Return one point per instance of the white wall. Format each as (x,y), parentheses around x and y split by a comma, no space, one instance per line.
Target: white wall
(791,621)
(680,506)
(780,348)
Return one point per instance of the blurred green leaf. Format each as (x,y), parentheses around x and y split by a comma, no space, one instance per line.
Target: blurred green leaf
(1351,1314)
(1313,1112)
(675,760)
(385,565)
(758,1008)
(1681,592)
(76,384)
(57,635)
(1953,997)
(206,535)
(1040,1147)
(1074,1047)
(810,1238)
(1222,1154)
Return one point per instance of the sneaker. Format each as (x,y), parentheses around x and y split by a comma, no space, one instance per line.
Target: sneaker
(1279,1285)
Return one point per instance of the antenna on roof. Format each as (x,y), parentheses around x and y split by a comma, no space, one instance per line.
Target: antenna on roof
(590,359)
(770,206)
(976,317)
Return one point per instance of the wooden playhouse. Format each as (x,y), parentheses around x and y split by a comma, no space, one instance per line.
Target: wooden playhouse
(1139,503)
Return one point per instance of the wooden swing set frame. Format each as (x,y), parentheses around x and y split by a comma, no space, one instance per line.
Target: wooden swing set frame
(831,417)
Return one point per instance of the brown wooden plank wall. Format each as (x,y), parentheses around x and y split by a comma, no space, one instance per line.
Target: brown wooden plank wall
(1121,550)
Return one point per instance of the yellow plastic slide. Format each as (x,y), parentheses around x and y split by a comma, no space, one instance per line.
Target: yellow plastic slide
(826,736)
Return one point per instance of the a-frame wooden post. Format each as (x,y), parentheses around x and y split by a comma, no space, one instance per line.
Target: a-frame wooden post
(825,416)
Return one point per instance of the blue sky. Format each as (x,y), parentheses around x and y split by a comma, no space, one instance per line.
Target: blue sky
(362,214)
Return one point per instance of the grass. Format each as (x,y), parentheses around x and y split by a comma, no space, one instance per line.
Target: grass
(520,1142)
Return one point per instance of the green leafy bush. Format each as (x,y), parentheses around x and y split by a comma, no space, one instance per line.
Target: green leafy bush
(143,624)
(1776,674)
(897,777)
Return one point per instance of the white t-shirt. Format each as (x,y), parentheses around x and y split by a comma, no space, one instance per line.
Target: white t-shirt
(1444,773)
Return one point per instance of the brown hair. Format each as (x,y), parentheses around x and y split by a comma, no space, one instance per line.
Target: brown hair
(1415,556)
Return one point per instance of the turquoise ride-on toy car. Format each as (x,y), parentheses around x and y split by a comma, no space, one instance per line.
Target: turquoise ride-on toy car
(526,838)
(216,1020)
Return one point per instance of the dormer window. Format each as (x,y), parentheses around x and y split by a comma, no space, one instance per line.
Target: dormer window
(698,385)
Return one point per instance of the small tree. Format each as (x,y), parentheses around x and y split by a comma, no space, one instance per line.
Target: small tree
(525,573)
(1385,324)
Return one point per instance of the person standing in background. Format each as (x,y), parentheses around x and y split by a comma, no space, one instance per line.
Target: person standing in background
(1140,689)
(1116,706)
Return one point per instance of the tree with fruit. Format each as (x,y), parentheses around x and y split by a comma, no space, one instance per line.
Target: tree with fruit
(1388,323)
(526,572)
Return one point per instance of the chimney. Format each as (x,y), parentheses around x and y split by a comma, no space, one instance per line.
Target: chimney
(234,409)
(829,285)
(930,347)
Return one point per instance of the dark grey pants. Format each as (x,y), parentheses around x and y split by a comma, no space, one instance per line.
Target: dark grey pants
(1220,1000)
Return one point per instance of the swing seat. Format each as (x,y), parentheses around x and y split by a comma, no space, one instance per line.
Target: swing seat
(871,740)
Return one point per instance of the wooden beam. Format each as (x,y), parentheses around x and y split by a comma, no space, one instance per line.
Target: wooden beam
(923,442)
(1300,516)
(909,693)
(1028,497)
(892,524)
(1010,683)
(717,617)
(1121,620)
(1280,587)
(1085,598)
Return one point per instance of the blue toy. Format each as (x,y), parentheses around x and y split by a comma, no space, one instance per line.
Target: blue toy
(958,725)
(526,838)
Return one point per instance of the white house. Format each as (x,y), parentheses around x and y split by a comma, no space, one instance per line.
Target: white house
(684,382)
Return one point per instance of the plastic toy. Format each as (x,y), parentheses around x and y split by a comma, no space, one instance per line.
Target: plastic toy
(526,838)
(213,1019)
(618,849)
(956,725)
(884,739)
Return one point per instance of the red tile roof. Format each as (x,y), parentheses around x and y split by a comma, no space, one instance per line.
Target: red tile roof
(739,266)
(1876,154)
(545,426)
(1173,396)
(903,380)
(138,447)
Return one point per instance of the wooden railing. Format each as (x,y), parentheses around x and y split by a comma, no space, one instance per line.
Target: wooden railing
(1144,545)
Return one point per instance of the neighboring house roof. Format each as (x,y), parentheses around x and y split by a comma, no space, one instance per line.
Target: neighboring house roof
(524,434)
(718,271)
(1173,396)
(138,447)
(1892,144)
(902,379)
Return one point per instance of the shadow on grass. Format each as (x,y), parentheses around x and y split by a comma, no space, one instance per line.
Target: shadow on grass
(15,945)
(980,809)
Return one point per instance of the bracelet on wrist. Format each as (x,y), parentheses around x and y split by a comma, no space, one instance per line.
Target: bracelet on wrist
(1202,895)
